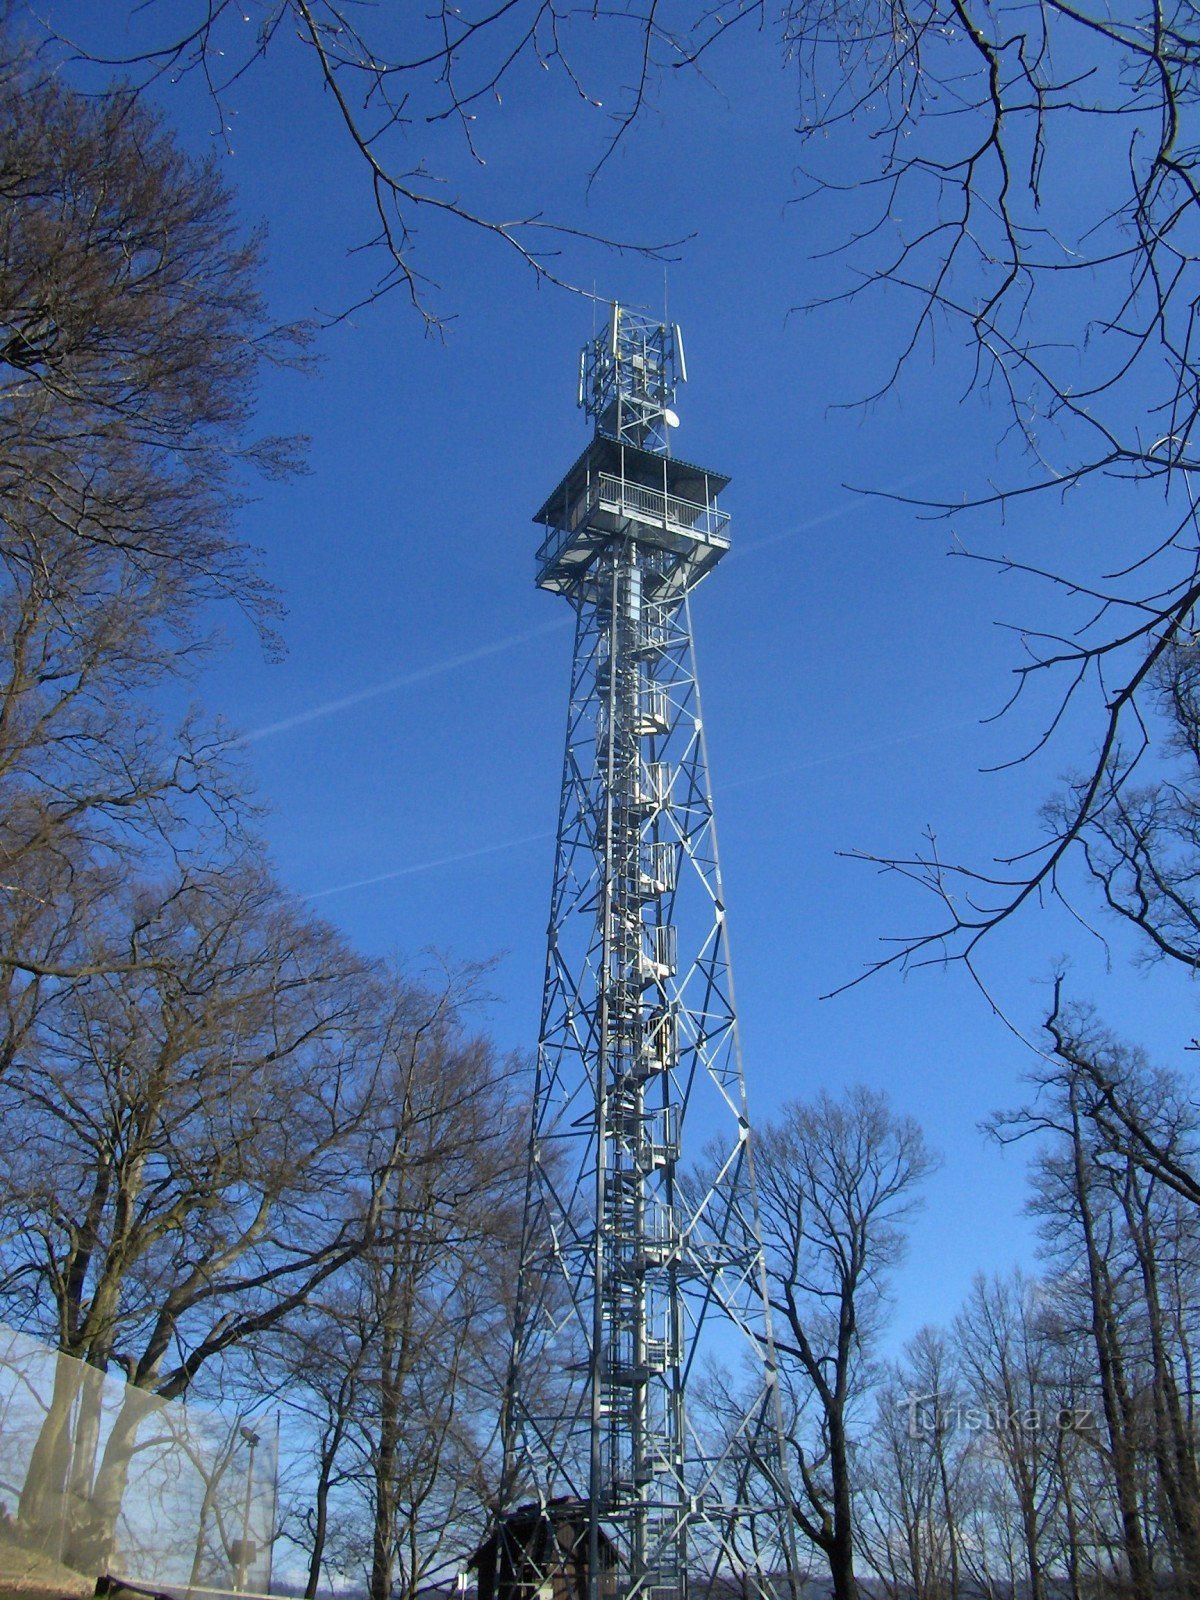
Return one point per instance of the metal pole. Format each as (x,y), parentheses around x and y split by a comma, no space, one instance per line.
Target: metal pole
(274,1508)
(252,1440)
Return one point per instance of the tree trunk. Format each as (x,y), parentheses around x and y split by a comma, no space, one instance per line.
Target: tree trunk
(949,1510)
(91,1542)
(841,1545)
(41,1508)
(1118,1406)
(1174,1449)
(385,1472)
(320,1529)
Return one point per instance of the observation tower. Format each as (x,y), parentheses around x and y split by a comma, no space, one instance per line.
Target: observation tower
(642,1268)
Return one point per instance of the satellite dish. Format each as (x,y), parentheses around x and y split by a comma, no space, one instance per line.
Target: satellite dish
(671,418)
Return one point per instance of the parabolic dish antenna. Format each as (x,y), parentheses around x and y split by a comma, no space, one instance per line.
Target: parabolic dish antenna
(670,417)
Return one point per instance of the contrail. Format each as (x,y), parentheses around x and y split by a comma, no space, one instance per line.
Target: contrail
(540,838)
(429,866)
(330,708)
(833,515)
(854,750)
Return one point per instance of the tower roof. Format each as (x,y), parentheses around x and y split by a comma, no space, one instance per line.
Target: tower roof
(604,454)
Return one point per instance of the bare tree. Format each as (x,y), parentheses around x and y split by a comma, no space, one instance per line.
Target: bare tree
(133,332)
(1072,308)
(1007,1365)
(321,1366)
(388,76)
(214,1109)
(438,1288)
(1114,1196)
(1142,844)
(837,1182)
(131,335)
(401,1366)
(913,1474)
(1137,1117)
(193,1148)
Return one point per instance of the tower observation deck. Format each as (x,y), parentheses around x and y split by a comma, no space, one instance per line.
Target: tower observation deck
(642,1265)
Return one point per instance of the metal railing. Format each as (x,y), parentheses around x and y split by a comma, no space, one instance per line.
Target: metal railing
(654,505)
(644,504)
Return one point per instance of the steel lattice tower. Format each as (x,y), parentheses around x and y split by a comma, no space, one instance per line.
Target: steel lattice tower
(641,1252)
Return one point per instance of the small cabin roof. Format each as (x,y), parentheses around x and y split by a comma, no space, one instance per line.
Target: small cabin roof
(525,1519)
(605,454)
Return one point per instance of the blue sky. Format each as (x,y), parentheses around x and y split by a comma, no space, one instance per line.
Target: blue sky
(409,745)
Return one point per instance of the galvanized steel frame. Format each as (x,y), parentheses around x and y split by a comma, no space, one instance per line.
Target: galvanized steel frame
(635,1267)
